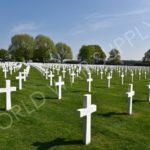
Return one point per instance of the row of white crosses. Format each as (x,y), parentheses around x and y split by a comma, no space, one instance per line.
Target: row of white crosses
(22,76)
(89,80)
(72,73)
(10,67)
(45,71)
(88,107)
(10,89)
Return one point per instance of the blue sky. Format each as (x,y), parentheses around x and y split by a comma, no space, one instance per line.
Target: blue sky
(122,24)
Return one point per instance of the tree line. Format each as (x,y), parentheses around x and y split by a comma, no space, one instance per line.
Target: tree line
(24,47)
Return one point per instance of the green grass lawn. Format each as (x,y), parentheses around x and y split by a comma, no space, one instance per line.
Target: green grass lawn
(40,121)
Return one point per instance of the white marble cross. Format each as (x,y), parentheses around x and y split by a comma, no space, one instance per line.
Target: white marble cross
(101,74)
(10,69)
(5,70)
(64,72)
(119,71)
(27,71)
(89,80)
(86,112)
(69,69)
(126,71)
(108,78)
(51,78)
(20,78)
(46,73)
(14,68)
(97,71)
(24,75)
(59,84)
(132,76)
(58,69)
(72,76)
(148,91)
(77,72)
(139,75)
(8,91)
(130,95)
(145,74)
(122,78)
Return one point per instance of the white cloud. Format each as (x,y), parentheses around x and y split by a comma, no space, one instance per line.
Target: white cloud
(96,21)
(101,24)
(91,25)
(24,27)
(101,16)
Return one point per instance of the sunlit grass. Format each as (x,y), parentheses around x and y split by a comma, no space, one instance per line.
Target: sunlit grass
(40,121)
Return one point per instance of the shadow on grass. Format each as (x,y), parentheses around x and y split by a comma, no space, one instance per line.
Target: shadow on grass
(55,142)
(78,91)
(2,109)
(139,101)
(42,98)
(109,114)
(101,87)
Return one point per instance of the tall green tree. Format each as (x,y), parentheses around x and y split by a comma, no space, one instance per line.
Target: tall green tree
(43,48)
(91,54)
(4,54)
(63,51)
(114,57)
(146,57)
(21,47)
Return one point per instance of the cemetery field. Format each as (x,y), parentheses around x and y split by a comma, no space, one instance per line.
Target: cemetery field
(38,120)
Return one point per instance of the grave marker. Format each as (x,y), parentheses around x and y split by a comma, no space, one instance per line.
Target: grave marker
(108,78)
(8,91)
(20,78)
(86,113)
(89,80)
(130,95)
(148,91)
(51,78)
(59,84)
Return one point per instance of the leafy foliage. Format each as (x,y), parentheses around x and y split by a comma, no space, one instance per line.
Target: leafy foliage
(146,57)
(4,54)
(63,51)
(21,47)
(114,57)
(91,54)
(43,48)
